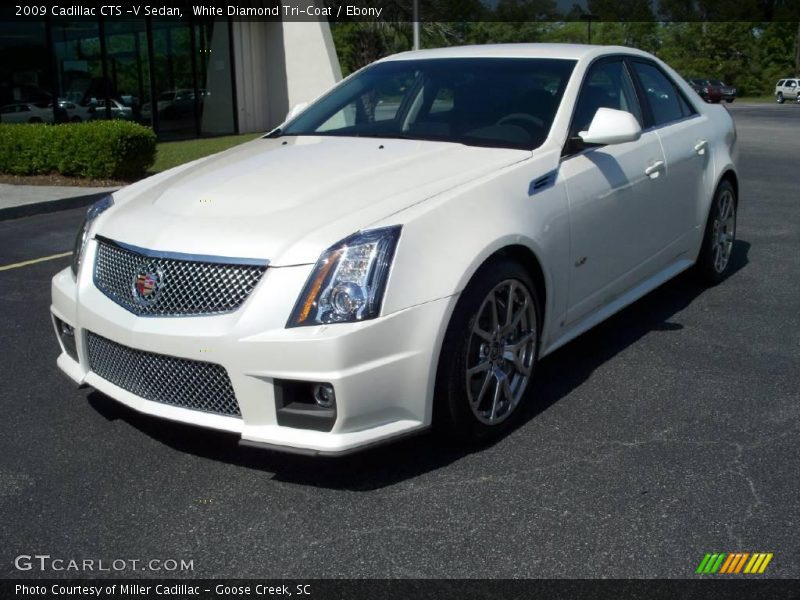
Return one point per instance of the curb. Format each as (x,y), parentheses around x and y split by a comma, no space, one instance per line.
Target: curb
(49,206)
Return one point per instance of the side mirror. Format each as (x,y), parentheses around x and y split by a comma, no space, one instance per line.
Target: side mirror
(611,126)
(296,110)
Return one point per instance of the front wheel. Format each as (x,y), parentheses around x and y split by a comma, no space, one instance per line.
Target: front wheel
(779,98)
(488,355)
(714,261)
(729,100)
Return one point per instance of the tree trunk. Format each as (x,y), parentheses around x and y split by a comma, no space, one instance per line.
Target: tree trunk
(797,53)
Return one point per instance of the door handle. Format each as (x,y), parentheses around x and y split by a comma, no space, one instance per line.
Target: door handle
(700,146)
(653,169)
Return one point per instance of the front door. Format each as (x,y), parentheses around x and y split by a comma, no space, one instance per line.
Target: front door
(614,192)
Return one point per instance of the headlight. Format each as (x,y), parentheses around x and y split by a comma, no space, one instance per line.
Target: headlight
(83,233)
(348,281)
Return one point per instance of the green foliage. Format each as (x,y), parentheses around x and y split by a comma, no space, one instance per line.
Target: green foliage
(95,150)
(750,55)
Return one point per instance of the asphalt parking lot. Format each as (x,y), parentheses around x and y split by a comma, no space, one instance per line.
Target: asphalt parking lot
(668,432)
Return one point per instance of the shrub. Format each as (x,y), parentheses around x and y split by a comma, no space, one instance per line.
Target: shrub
(96,150)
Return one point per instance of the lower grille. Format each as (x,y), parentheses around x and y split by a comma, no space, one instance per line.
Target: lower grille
(166,379)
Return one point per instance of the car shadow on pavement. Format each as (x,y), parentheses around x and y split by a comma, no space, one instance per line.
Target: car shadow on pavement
(557,375)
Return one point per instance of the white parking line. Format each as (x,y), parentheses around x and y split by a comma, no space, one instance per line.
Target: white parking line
(25,263)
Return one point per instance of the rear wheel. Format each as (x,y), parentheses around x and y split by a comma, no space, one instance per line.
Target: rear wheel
(488,355)
(779,98)
(729,100)
(714,261)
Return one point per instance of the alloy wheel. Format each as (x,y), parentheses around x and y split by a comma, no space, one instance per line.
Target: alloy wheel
(724,231)
(501,352)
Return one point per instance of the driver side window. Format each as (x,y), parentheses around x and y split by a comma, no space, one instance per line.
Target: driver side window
(607,85)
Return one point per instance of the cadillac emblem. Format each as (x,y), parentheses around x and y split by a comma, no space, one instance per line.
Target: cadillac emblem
(147,285)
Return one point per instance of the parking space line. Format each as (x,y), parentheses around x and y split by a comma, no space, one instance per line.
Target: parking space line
(25,263)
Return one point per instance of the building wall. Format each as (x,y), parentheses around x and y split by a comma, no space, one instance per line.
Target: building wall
(279,65)
(312,66)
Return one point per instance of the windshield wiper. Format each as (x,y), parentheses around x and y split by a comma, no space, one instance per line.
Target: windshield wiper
(275,133)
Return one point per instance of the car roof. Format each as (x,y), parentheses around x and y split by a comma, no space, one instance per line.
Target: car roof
(564,51)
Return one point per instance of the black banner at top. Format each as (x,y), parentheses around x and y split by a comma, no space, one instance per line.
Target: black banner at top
(427,10)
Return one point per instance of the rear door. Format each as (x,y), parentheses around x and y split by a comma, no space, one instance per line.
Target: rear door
(614,195)
(684,135)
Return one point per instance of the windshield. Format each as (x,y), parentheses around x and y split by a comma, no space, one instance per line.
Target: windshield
(717,82)
(503,102)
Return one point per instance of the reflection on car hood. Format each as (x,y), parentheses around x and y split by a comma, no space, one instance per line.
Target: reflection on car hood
(287,199)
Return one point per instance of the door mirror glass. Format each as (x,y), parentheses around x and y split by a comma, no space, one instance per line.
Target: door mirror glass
(610,126)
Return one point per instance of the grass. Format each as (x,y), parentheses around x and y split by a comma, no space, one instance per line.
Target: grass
(172,154)
(756,99)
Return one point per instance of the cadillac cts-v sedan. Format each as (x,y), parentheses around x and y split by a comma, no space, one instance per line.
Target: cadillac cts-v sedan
(401,252)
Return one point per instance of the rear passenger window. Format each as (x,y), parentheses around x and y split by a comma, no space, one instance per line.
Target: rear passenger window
(666,102)
(686,108)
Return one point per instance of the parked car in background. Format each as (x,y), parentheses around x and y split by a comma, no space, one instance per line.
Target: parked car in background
(173,104)
(728,92)
(74,113)
(25,112)
(787,89)
(118,110)
(344,281)
(707,91)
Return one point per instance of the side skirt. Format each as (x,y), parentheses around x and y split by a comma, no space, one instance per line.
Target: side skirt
(618,304)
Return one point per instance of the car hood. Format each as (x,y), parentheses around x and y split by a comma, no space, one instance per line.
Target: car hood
(288,199)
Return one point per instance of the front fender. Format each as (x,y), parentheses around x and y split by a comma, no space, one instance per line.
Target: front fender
(447,239)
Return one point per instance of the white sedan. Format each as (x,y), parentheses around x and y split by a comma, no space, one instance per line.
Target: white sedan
(26,112)
(402,252)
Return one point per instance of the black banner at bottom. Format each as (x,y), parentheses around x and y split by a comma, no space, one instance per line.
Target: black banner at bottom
(417,589)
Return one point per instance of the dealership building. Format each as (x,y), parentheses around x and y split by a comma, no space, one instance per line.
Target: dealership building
(185,77)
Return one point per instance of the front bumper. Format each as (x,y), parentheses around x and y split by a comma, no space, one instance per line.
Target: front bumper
(382,370)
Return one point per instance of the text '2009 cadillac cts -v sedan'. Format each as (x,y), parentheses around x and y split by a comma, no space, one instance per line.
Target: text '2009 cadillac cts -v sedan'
(401,252)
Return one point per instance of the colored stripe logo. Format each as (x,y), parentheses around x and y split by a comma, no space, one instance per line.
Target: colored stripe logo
(734,563)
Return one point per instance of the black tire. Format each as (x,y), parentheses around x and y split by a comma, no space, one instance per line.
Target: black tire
(34,120)
(75,119)
(779,98)
(709,267)
(454,415)
(729,100)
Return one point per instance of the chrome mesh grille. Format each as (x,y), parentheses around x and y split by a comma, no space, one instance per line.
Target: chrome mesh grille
(188,287)
(166,379)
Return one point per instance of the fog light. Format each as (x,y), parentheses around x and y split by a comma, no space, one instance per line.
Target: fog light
(324,395)
(67,335)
